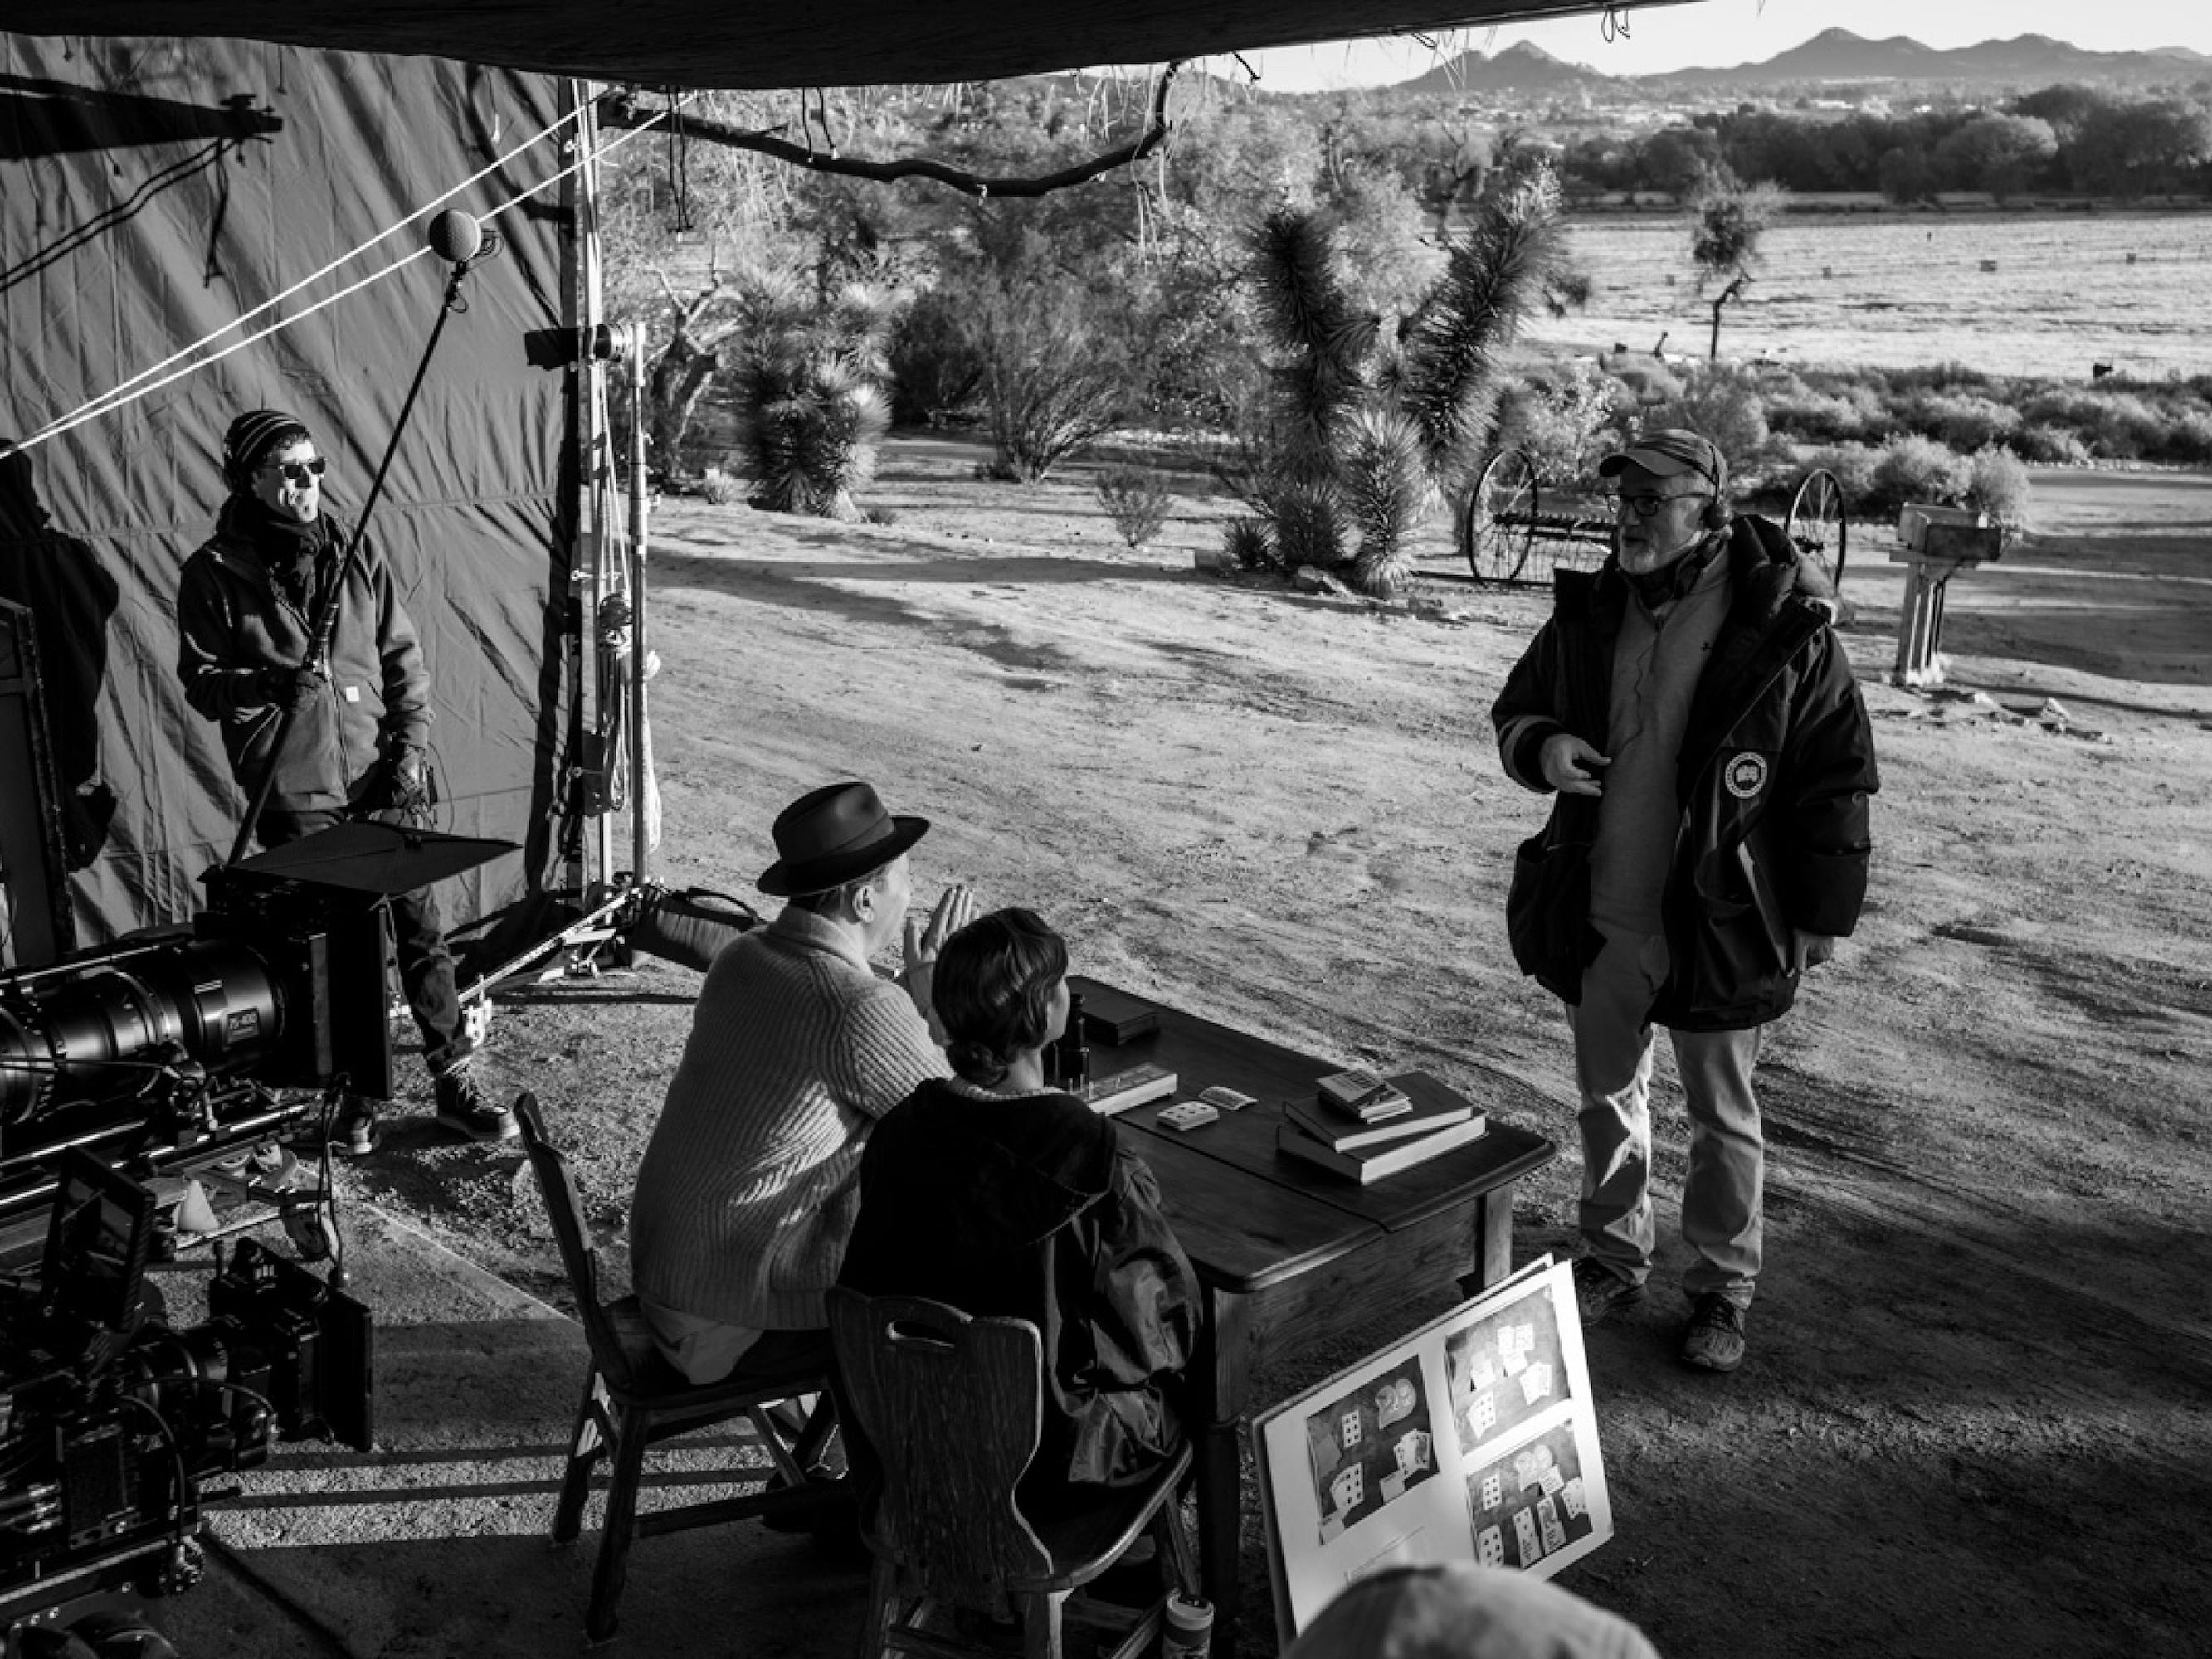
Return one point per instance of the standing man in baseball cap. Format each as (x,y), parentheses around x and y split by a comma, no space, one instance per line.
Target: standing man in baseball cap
(1695,717)
(247,605)
(750,1186)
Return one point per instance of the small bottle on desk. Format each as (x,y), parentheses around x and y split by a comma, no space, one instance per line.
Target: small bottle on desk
(1188,1632)
(1071,1054)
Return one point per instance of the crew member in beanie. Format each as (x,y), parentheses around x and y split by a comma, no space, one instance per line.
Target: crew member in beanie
(1711,758)
(246,609)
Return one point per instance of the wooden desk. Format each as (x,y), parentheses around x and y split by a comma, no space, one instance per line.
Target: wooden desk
(1290,1257)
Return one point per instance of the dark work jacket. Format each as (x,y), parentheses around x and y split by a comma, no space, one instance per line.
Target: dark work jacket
(1031,1208)
(1772,781)
(232,621)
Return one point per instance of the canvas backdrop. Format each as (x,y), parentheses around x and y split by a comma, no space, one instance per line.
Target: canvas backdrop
(150,191)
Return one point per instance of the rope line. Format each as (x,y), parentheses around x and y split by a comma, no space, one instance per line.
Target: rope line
(115,393)
(122,396)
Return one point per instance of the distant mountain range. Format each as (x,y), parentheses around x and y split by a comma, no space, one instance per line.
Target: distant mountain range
(1832,55)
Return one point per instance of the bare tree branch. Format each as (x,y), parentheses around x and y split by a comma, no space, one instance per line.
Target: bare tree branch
(622,109)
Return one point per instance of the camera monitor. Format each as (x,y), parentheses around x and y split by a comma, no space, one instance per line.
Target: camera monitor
(97,1246)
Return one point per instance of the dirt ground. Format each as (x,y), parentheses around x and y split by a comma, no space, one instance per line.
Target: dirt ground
(1977,1419)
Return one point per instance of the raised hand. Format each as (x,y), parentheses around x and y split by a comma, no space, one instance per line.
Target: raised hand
(955,909)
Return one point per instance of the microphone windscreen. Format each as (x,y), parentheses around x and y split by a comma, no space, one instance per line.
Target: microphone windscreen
(455,236)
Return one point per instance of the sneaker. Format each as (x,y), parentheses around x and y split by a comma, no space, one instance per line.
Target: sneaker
(1599,1293)
(464,1111)
(1714,1341)
(355,1133)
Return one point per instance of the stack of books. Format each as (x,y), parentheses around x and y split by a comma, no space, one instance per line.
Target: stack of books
(1366,1133)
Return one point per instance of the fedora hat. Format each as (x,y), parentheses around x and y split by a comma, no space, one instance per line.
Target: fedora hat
(832,836)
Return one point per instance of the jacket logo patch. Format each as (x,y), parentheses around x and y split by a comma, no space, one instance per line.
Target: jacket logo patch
(1745,776)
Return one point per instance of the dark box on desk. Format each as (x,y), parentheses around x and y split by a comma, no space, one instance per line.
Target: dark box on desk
(1109,1015)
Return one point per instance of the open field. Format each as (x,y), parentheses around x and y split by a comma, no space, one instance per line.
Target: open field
(1897,290)
(1977,1420)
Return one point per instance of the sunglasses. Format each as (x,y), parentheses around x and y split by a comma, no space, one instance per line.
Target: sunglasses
(300,471)
(1647,507)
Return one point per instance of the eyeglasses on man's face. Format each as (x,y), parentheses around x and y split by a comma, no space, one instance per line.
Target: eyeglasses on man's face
(299,472)
(1647,506)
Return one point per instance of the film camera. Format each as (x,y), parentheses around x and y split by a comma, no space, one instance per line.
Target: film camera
(162,1055)
(111,1417)
(124,1072)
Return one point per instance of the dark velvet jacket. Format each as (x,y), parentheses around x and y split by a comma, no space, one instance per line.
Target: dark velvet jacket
(1031,1208)
(1772,781)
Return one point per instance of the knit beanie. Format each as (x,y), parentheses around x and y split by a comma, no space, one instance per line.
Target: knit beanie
(249,440)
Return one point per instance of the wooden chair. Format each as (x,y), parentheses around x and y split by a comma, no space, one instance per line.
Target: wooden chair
(952,1408)
(633,1398)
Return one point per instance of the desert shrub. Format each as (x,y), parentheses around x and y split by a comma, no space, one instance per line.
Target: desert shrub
(1305,524)
(2049,445)
(1965,420)
(1948,377)
(2189,437)
(1648,381)
(1563,422)
(1052,380)
(1136,498)
(2062,406)
(1916,469)
(1723,403)
(2127,427)
(1853,465)
(1819,417)
(810,407)
(721,488)
(1998,484)
(1247,541)
(935,368)
(2117,425)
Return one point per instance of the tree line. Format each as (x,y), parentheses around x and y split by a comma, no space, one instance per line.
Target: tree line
(2068,138)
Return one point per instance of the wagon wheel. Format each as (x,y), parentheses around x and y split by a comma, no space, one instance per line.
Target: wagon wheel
(1499,527)
(1817,525)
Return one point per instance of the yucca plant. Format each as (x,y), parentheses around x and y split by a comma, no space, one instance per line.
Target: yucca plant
(1369,436)
(810,398)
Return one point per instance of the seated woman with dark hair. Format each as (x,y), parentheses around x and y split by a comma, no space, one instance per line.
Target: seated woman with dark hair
(1001,1196)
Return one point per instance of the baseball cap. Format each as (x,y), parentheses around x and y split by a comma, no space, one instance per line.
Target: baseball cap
(1669,451)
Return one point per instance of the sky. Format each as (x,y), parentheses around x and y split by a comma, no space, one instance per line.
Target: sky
(1722,33)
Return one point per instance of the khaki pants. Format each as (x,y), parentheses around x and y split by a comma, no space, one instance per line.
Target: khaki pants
(1613,1070)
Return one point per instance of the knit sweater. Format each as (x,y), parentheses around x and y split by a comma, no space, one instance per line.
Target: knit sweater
(749,1188)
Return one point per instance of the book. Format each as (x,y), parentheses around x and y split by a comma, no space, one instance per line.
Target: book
(1375,1162)
(1110,1016)
(1118,1091)
(1362,1095)
(1339,1134)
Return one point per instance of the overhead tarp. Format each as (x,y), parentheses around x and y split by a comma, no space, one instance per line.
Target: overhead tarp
(152,190)
(747,43)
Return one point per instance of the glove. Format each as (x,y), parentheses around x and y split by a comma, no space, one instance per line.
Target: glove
(283,688)
(410,792)
(399,787)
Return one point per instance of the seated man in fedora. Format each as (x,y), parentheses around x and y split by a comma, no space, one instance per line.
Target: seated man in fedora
(749,1185)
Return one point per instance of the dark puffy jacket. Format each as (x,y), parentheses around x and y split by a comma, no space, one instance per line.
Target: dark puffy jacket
(233,621)
(1773,780)
(1031,1208)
